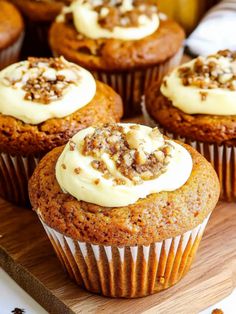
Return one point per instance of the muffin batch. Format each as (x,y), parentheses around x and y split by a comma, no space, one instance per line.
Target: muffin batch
(124,206)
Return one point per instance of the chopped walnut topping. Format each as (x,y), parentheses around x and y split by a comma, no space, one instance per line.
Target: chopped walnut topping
(72,145)
(128,153)
(97,181)
(216,71)
(77,170)
(44,79)
(112,13)
(119,181)
(203,96)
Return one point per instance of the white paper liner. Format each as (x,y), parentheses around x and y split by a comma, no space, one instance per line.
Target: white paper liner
(127,271)
(11,54)
(15,172)
(222,158)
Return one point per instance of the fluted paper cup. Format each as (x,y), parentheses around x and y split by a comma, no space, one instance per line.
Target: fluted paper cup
(131,84)
(15,172)
(11,54)
(222,158)
(127,272)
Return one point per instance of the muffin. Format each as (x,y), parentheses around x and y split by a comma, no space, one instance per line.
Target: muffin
(196,103)
(11,34)
(126,44)
(124,207)
(39,14)
(43,102)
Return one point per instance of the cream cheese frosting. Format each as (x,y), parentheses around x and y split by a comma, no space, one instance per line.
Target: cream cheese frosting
(36,90)
(206,85)
(118,168)
(86,20)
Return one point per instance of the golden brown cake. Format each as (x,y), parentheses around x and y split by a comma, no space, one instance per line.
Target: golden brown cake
(197,103)
(11,33)
(160,192)
(43,102)
(126,47)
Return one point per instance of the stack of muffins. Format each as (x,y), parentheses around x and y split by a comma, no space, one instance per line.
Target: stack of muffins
(124,206)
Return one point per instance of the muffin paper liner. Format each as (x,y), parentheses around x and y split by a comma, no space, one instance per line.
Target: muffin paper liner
(129,271)
(15,172)
(11,54)
(222,158)
(131,84)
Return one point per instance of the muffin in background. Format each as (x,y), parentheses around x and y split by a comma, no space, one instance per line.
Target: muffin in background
(11,33)
(43,102)
(124,208)
(196,103)
(39,14)
(126,44)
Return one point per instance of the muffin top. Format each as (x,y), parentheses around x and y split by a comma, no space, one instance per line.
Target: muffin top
(123,184)
(115,34)
(11,24)
(197,100)
(43,97)
(41,10)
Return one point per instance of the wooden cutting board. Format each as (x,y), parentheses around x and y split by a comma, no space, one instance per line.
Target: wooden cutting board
(27,255)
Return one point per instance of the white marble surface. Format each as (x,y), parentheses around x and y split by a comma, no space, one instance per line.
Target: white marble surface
(12,296)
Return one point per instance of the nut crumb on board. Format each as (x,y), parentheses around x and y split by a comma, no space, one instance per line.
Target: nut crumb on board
(217,311)
(18,311)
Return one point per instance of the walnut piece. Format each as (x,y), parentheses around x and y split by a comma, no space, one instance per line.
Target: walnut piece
(210,73)
(130,159)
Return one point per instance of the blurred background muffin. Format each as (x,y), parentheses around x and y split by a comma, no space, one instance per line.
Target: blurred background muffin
(11,33)
(43,102)
(126,44)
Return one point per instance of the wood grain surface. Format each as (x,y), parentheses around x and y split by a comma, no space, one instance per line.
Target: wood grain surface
(26,254)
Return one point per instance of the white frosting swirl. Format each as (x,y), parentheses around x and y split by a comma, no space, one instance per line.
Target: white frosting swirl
(82,185)
(215,101)
(76,95)
(86,22)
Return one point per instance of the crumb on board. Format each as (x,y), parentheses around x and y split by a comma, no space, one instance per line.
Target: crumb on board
(18,311)
(217,311)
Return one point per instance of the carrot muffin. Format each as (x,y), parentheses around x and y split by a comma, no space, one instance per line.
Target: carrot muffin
(125,207)
(11,33)
(126,44)
(43,102)
(197,103)
(38,14)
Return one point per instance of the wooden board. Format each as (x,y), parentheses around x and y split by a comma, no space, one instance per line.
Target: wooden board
(27,255)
